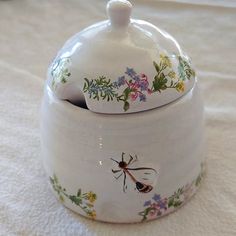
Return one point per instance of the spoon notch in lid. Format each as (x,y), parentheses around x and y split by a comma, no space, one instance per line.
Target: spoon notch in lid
(121,65)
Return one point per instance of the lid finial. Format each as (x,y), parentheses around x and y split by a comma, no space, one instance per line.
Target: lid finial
(119,12)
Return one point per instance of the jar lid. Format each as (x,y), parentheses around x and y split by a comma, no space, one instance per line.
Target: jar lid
(121,65)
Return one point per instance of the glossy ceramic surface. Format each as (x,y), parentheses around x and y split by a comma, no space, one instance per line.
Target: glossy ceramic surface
(122,167)
(82,152)
(121,65)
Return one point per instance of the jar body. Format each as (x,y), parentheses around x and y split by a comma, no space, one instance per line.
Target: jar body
(163,150)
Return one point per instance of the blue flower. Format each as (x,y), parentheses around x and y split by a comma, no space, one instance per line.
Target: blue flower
(147,203)
(115,84)
(136,78)
(130,72)
(121,81)
(162,205)
(93,89)
(143,85)
(156,197)
(142,98)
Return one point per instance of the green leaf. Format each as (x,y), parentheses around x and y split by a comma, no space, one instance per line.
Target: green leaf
(79,193)
(198,180)
(160,82)
(61,198)
(55,178)
(177,203)
(184,69)
(86,85)
(171,202)
(76,200)
(156,66)
(51,180)
(126,93)
(126,106)
(100,88)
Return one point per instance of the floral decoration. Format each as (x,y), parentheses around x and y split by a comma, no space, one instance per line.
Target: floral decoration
(185,71)
(131,86)
(159,206)
(136,87)
(84,200)
(60,71)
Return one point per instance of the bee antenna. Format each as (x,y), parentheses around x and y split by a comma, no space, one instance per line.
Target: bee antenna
(115,160)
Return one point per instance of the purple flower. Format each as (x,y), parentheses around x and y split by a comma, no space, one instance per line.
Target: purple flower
(147,203)
(121,81)
(115,84)
(143,85)
(142,98)
(136,78)
(159,213)
(162,205)
(130,72)
(156,198)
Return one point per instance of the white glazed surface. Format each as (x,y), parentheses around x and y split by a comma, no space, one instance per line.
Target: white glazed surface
(27,205)
(78,144)
(107,49)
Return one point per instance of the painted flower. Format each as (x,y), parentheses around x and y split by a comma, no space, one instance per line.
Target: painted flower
(154,205)
(149,91)
(121,81)
(130,72)
(143,84)
(133,96)
(172,74)
(159,213)
(143,76)
(136,78)
(165,60)
(188,191)
(83,200)
(92,214)
(136,86)
(156,197)
(91,196)
(163,204)
(158,206)
(115,85)
(153,212)
(60,71)
(147,203)
(180,87)
(142,97)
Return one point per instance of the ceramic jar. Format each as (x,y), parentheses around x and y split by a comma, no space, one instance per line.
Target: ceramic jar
(122,121)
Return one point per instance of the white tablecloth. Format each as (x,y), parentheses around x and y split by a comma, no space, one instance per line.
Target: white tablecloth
(31,32)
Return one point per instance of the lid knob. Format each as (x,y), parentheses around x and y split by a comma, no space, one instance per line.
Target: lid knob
(119,12)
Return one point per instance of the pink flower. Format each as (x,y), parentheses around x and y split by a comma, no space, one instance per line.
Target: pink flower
(135,85)
(143,76)
(153,213)
(155,205)
(134,96)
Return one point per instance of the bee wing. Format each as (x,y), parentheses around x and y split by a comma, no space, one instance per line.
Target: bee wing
(144,174)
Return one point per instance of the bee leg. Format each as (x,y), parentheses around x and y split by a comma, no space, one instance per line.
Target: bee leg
(132,159)
(123,156)
(118,176)
(115,171)
(124,183)
(115,160)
